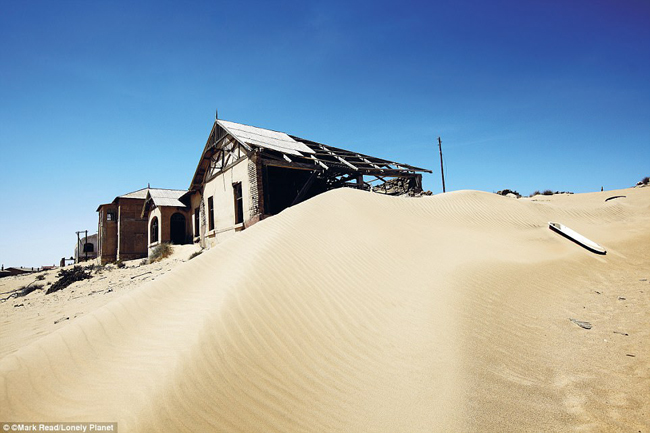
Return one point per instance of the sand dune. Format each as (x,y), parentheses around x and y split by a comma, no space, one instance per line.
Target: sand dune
(354,312)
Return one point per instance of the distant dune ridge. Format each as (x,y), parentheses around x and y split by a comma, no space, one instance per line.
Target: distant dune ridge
(356,312)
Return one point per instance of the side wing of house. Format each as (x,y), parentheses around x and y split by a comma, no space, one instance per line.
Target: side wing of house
(168,217)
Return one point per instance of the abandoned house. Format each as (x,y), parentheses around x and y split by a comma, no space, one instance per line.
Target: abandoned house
(123,231)
(245,174)
(86,248)
(16,271)
(168,217)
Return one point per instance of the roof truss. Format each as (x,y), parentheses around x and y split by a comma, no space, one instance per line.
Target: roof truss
(224,148)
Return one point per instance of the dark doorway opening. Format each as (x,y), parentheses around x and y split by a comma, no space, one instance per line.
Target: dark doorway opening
(177,228)
(239,203)
(282,186)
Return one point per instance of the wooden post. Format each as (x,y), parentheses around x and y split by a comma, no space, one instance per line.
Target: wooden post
(442,170)
(78,242)
(305,188)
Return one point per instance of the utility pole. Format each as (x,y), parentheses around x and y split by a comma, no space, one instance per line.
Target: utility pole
(442,170)
(76,259)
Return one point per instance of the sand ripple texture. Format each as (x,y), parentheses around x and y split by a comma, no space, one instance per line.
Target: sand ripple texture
(355,312)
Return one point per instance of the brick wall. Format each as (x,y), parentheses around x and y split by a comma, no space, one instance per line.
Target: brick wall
(256,192)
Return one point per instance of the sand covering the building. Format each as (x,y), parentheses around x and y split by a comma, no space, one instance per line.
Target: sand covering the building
(356,312)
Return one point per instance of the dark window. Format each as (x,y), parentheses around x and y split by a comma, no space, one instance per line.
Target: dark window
(196,222)
(239,203)
(210,214)
(110,215)
(88,247)
(154,230)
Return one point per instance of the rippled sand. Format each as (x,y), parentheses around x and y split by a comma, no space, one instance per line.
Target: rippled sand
(355,312)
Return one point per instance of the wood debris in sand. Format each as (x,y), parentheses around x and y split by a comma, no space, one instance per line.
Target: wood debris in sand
(585,325)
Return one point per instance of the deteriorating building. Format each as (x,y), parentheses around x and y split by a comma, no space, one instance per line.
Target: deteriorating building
(123,229)
(17,271)
(86,248)
(247,173)
(168,216)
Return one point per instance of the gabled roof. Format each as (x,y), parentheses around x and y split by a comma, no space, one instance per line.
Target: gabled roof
(259,137)
(297,151)
(166,197)
(163,197)
(139,194)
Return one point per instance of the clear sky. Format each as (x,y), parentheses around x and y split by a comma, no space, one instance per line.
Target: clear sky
(99,98)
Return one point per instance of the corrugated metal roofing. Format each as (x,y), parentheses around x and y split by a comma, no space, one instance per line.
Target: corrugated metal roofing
(167,202)
(266,138)
(141,194)
(303,153)
(166,197)
(166,193)
(155,193)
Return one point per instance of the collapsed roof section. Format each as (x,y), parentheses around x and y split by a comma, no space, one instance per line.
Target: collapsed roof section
(339,166)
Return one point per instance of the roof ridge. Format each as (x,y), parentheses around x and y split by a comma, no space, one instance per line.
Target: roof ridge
(137,190)
(253,126)
(166,189)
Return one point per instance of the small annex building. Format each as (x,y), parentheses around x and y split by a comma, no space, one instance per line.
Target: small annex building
(86,248)
(123,231)
(168,217)
(247,173)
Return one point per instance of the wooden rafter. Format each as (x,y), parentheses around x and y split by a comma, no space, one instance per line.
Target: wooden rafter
(305,188)
(338,157)
(368,161)
(319,162)
(330,161)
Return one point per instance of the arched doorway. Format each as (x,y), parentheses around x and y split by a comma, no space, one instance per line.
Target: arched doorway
(177,228)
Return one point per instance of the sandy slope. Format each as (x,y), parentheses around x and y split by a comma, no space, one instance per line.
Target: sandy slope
(27,318)
(354,312)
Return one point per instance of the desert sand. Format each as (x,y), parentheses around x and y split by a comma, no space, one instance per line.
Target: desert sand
(356,312)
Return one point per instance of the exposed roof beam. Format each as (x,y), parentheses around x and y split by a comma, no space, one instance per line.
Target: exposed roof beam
(338,157)
(367,161)
(237,140)
(319,162)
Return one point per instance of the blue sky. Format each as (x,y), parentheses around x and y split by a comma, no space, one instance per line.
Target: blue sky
(99,98)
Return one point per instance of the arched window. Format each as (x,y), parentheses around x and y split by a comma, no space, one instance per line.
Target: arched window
(154,230)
